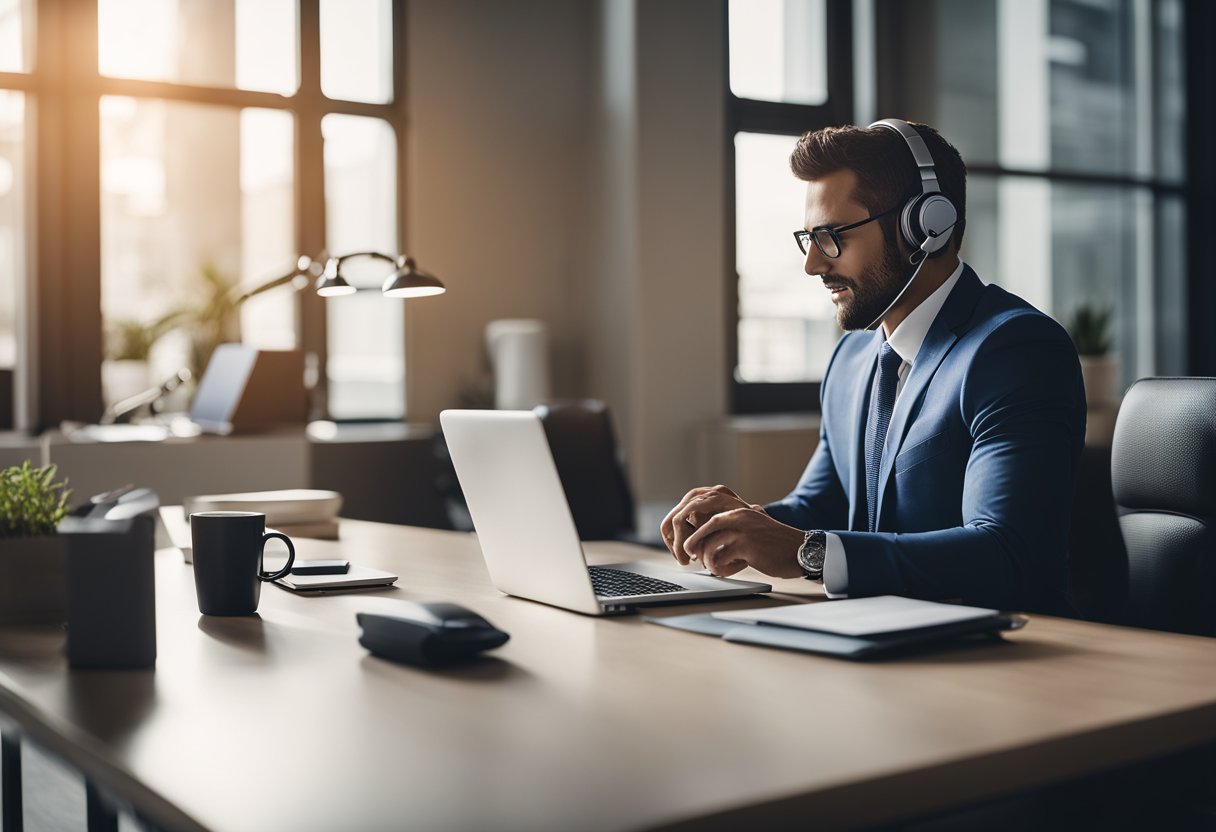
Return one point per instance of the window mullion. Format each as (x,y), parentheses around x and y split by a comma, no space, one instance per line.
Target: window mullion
(64,346)
(311,333)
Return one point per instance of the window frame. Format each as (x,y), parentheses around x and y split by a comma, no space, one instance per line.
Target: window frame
(1196,190)
(744,115)
(61,377)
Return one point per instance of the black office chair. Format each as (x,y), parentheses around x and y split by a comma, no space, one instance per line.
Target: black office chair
(590,467)
(1163,468)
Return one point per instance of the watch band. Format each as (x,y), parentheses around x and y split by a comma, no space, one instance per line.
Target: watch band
(812,552)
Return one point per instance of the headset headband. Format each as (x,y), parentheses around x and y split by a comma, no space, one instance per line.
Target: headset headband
(920,152)
(926,220)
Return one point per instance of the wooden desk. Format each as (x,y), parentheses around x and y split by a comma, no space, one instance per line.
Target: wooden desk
(283,722)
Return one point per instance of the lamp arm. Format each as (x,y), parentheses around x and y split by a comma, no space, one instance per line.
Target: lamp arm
(374,254)
(305,267)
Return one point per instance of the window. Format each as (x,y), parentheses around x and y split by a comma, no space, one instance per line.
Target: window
(778,50)
(366,372)
(783,57)
(15,29)
(231,137)
(1071,115)
(174,232)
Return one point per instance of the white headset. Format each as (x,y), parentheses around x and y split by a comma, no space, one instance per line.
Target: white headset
(926,220)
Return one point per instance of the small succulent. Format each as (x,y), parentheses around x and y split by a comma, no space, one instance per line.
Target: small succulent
(31,502)
(1089,327)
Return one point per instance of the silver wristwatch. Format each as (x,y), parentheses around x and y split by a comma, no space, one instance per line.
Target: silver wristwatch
(811,554)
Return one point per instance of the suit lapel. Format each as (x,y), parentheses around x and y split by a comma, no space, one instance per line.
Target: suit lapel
(858,517)
(943,332)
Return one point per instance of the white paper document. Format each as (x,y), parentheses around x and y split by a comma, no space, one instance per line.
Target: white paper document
(860,616)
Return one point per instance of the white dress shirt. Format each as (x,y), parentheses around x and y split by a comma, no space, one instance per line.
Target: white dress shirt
(906,341)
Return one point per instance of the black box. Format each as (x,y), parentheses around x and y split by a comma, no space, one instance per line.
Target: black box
(111,593)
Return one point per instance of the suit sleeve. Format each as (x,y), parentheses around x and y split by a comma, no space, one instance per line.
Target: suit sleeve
(1024,405)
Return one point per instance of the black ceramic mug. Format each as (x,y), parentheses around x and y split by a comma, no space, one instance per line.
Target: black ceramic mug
(228,569)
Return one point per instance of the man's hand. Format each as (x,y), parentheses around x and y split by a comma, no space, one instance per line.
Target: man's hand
(698,506)
(732,540)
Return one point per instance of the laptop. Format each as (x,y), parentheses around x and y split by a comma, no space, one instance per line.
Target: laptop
(527,534)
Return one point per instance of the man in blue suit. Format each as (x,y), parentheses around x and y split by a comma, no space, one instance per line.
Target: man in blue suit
(950,435)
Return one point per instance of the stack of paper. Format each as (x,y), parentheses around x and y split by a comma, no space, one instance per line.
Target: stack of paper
(298,512)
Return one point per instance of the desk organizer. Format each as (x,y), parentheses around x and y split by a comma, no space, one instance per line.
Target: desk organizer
(111,595)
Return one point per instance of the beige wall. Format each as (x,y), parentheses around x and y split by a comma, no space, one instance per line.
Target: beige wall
(566,163)
(496,181)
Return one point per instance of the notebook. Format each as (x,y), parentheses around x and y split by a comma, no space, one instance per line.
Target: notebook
(855,628)
(359,577)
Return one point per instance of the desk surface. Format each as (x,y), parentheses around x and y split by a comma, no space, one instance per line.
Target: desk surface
(283,722)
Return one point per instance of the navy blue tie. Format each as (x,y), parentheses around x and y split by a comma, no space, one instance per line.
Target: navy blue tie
(882,402)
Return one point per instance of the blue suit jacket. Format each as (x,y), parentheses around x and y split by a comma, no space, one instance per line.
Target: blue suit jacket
(977,476)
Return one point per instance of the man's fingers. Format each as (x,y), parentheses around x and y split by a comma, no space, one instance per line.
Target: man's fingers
(723,490)
(696,542)
(725,520)
(721,556)
(698,508)
(679,534)
(693,542)
(667,529)
(696,513)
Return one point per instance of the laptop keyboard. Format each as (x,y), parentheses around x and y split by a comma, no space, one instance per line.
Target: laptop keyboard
(615,583)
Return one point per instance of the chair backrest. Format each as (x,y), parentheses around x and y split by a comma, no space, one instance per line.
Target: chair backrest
(584,449)
(1163,469)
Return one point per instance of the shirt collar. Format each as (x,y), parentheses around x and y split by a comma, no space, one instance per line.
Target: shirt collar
(911,332)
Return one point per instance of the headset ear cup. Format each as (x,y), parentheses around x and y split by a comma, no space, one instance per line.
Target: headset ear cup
(909,222)
(934,221)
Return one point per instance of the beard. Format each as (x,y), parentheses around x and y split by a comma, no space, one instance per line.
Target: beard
(870,295)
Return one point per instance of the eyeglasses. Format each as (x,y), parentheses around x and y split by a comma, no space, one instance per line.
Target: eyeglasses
(827,239)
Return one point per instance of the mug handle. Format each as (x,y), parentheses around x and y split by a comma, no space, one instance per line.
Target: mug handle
(291,556)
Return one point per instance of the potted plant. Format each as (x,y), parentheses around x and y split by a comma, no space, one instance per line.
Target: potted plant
(216,319)
(1089,327)
(32,553)
(125,371)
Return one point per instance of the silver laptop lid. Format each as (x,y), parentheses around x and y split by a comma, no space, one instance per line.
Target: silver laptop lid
(519,509)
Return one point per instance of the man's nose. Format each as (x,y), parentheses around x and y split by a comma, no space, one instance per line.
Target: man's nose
(816,263)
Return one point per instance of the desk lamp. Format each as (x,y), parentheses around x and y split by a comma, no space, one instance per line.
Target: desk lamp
(406,280)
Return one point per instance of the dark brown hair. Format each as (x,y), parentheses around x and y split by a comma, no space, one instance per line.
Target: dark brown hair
(882,162)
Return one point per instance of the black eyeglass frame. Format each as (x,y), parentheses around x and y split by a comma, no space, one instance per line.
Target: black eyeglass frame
(801,236)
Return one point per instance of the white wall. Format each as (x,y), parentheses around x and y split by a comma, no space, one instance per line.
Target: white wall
(585,144)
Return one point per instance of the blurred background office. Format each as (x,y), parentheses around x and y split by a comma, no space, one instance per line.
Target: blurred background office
(613,168)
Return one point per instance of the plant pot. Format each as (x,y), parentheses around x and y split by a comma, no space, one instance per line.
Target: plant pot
(33,585)
(1100,374)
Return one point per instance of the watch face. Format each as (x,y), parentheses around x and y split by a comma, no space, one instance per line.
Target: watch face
(811,555)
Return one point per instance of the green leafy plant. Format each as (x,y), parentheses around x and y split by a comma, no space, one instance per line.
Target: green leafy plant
(132,340)
(1089,327)
(215,319)
(31,502)
(211,318)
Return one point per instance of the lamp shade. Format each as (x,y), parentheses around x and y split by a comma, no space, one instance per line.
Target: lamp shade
(410,282)
(331,284)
